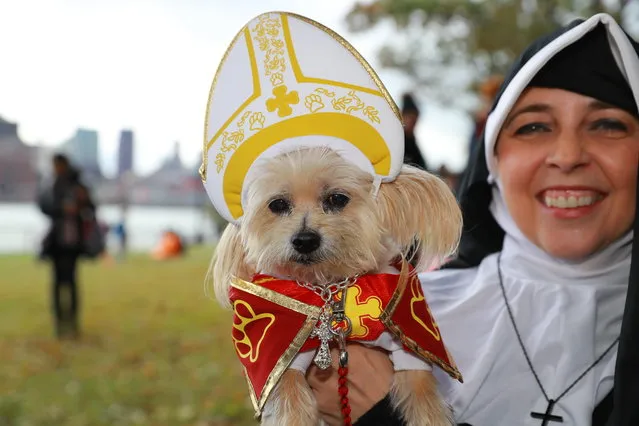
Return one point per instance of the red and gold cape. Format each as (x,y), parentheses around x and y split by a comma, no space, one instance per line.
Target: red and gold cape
(273,319)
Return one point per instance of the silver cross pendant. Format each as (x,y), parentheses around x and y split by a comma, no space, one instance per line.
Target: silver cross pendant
(323,332)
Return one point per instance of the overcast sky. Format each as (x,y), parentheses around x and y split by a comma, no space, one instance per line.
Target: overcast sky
(148,65)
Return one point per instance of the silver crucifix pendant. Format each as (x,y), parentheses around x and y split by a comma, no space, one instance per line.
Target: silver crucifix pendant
(323,332)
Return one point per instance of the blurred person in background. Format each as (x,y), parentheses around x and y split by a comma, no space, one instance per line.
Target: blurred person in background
(120,231)
(67,203)
(487,92)
(410,115)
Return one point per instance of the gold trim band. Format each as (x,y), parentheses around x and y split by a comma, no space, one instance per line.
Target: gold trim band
(275,297)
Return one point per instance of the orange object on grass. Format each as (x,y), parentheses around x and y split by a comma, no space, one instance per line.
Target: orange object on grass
(169,246)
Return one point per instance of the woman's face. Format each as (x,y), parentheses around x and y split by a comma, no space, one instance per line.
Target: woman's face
(568,168)
(59,167)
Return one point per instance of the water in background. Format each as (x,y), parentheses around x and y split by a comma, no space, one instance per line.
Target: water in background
(22,226)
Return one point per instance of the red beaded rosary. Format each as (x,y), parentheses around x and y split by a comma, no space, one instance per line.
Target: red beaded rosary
(341,332)
(343,393)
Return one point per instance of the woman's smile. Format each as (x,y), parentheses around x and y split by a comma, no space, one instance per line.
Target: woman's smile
(570,202)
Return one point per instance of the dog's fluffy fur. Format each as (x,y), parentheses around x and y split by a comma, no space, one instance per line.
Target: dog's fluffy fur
(415,210)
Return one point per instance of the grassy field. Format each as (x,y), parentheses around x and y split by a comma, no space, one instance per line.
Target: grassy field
(155,349)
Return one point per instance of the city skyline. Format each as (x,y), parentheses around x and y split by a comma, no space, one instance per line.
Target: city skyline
(82,148)
(25,170)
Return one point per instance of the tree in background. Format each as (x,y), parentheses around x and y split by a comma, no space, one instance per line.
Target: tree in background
(447,46)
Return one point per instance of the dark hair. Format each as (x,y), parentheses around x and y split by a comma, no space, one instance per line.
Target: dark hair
(72,173)
(61,158)
(409,104)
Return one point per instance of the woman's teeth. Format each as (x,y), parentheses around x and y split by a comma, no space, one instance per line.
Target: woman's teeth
(570,201)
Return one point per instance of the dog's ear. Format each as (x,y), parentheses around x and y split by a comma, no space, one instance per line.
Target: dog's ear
(421,215)
(228,261)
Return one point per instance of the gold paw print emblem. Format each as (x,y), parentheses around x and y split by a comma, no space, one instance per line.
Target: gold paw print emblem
(420,310)
(256,121)
(282,101)
(248,342)
(313,102)
(277,79)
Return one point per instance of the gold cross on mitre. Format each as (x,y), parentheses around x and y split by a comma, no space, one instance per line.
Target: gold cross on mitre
(287,82)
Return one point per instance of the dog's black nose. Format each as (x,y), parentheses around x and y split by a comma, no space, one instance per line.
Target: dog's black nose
(306,242)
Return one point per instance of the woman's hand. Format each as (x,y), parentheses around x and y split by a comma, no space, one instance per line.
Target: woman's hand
(370,374)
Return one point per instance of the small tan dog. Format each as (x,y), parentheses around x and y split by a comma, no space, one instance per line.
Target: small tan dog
(314,217)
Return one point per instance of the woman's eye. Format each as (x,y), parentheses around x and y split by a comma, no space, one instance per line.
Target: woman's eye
(280,206)
(610,126)
(335,202)
(532,128)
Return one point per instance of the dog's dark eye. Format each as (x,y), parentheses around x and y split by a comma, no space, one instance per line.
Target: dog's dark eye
(335,202)
(279,206)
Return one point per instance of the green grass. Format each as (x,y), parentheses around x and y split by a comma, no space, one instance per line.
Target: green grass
(155,349)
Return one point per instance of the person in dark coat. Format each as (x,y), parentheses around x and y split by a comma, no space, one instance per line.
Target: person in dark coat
(410,115)
(67,203)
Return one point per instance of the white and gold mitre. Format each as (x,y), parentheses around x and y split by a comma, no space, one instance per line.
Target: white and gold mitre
(287,82)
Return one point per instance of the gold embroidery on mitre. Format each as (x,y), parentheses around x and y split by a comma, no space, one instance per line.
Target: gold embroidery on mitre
(270,40)
(418,297)
(253,352)
(349,103)
(232,139)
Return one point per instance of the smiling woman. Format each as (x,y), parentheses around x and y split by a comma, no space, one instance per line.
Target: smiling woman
(533,306)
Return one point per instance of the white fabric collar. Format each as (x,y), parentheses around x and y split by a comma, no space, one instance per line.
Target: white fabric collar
(567,315)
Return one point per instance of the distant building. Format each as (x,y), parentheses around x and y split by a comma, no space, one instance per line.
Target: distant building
(83,151)
(18,171)
(125,153)
(172,184)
